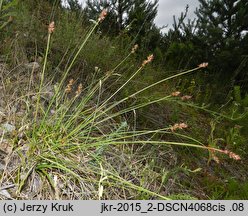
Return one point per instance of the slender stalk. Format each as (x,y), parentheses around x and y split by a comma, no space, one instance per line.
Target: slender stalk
(151,142)
(67,71)
(111,138)
(137,106)
(138,188)
(122,86)
(42,76)
(150,86)
(92,92)
(126,98)
(213,112)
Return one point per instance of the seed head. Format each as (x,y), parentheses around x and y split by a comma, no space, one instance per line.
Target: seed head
(136,46)
(203,65)
(216,159)
(79,90)
(175,94)
(186,97)
(231,154)
(178,126)
(226,151)
(103,15)
(148,60)
(51,27)
(69,86)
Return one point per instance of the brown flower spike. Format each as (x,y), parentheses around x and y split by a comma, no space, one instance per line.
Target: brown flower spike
(203,65)
(102,15)
(178,126)
(148,60)
(79,90)
(51,27)
(186,97)
(136,46)
(175,94)
(69,86)
(231,154)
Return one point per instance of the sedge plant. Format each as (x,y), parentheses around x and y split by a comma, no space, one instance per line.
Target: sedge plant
(67,143)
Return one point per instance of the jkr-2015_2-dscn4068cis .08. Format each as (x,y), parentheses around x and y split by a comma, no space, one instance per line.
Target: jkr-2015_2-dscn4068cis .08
(169,207)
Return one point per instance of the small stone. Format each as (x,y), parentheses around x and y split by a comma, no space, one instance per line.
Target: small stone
(5,193)
(34,98)
(52,112)
(8,127)
(32,65)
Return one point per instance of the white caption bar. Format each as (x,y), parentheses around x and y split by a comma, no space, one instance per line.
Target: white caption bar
(136,207)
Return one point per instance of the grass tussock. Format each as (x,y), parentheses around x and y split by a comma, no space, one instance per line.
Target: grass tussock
(74,142)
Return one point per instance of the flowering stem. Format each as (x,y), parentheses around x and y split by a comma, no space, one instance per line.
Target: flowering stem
(67,71)
(42,77)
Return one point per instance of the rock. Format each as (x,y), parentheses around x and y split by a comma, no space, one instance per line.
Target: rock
(32,65)
(5,193)
(6,127)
